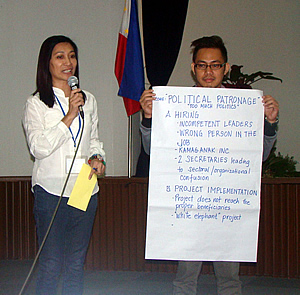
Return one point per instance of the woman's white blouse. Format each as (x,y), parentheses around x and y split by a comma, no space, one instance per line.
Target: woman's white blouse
(50,141)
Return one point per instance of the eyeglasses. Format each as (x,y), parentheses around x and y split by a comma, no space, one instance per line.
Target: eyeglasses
(213,67)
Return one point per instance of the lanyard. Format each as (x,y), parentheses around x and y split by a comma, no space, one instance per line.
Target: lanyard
(74,139)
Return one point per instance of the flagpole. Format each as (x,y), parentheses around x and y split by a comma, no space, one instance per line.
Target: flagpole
(129,64)
(129,145)
(130,139)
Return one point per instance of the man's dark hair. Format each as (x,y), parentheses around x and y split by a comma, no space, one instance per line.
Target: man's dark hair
(43,75)
(209,42)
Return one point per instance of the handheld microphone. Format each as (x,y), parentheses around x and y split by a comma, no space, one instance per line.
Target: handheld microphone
(73,83)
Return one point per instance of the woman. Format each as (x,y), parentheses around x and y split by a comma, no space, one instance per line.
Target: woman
(53,126)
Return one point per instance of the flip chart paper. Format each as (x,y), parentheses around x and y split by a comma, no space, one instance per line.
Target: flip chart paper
(205,174)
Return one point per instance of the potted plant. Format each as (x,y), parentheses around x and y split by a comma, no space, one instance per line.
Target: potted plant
(236,79)
(276,165)
(279,166)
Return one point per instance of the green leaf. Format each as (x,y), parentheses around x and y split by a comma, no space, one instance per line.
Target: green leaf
(272,78)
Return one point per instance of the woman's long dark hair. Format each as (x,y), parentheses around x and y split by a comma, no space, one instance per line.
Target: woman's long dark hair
(43,75)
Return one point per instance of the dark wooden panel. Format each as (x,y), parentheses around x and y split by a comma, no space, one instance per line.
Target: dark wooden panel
(3,214)
(118,238)
(18,238)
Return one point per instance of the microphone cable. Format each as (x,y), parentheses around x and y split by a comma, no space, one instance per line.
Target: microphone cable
(55,211)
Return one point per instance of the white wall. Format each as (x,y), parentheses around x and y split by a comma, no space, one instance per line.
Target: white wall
(94,26)
(261,35)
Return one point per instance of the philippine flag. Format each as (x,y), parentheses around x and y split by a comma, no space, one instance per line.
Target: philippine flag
(129,68)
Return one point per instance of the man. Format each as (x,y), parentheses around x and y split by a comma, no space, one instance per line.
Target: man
(209,67)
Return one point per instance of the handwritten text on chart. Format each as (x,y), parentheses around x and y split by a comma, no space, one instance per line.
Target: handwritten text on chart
(205,164)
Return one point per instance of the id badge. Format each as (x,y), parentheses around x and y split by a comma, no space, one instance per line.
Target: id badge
(77,165)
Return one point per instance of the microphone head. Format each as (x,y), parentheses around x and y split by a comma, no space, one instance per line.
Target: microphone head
(72,81)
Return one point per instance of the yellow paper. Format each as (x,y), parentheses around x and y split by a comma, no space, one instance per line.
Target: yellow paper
(83,189)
